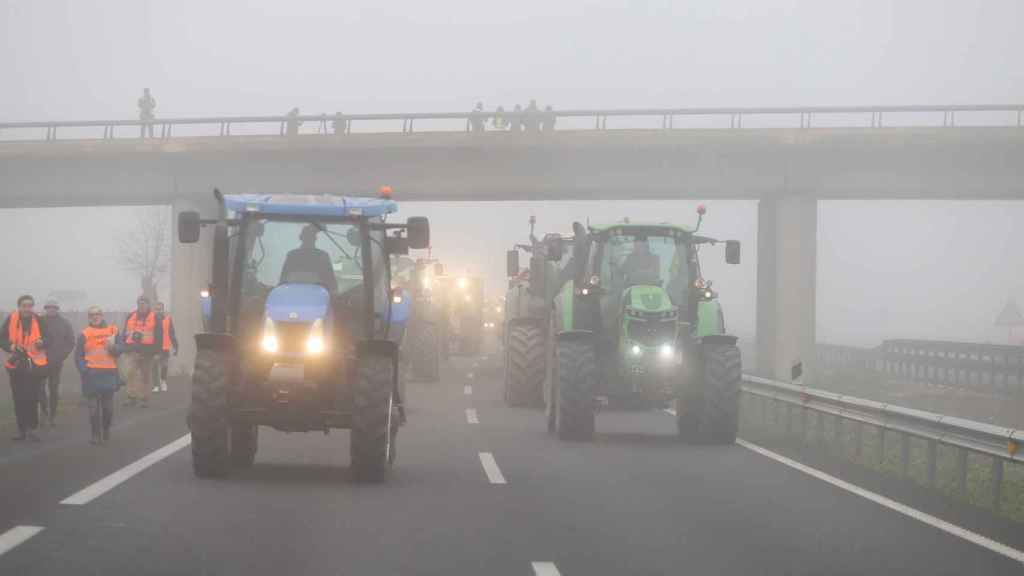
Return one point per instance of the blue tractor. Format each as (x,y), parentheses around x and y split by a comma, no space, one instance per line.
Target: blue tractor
(300,329)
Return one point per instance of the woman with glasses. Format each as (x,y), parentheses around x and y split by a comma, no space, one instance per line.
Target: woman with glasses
(95,353)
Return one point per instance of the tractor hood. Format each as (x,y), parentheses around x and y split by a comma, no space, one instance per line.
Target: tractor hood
(647,300)
(298,303)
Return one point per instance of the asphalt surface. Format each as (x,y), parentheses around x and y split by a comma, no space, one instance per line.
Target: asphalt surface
(634,502)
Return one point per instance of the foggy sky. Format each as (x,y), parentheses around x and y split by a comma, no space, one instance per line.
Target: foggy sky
(886,269)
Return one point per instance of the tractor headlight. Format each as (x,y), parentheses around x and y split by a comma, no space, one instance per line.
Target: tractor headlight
(636,351)
(666,351)
(269,342)
(315,342)
(462,283)
(204,293)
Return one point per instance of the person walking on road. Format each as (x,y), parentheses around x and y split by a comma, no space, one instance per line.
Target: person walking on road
(95,356)
(170,344)
(21,336)
(60,342)
(141,341)
(147,104)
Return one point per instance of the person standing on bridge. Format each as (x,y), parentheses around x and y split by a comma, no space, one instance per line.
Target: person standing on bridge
(531,117)
(548,120)
(21,336)
(60,342)
(517,119)
(95,356)
(147,104)
(476,118)
(170,343)
(141,341)
(293,123)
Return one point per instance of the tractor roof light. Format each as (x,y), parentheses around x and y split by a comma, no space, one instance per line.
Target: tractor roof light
(385,192)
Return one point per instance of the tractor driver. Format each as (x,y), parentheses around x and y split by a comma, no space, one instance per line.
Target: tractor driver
(641,266)
(309,264)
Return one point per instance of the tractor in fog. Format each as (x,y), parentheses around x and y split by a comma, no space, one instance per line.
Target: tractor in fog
(634,324)
(300,327)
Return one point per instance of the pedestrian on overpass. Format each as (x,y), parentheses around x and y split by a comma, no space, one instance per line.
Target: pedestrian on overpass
(60,342)
(548,120)
(147,104)
(21,336)
(141,343)
(170,344)
(476,118)
(293,123)
(95,356)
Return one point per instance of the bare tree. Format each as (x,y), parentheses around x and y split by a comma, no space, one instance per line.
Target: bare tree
(145,249)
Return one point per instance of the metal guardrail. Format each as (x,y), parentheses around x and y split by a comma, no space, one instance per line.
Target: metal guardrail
(342,124)
(995,367)
(967,436)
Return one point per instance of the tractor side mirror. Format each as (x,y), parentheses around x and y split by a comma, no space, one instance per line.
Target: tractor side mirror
(396,245)
(188,227)
(438,269)
(512,263)
(732,251)
(418,232)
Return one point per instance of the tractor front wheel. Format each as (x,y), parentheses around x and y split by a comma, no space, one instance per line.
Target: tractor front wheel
(525,367)
(577,375)
(708,413)
(208,416)
(373,422)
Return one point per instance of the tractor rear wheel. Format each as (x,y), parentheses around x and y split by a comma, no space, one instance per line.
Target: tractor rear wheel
(525,366)
(208,416)
(244,440)
(373,421)
(577,375)
(709,413)
(426,355)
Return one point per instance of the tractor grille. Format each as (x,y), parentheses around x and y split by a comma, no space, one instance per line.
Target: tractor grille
(292,336)
(652,332)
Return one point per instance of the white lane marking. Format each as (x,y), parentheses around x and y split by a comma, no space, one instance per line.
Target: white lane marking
(545,569)
(101,487)
(471,416)
(467,389)
(15,536)
(928,519)
(491,468)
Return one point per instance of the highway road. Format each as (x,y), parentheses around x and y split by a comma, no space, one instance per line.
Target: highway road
(478,489)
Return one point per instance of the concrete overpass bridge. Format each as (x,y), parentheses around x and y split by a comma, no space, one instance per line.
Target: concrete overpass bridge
(973,153)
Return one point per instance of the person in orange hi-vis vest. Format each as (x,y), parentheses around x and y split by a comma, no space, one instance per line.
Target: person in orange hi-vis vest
(96,351)
(141,341)
(170,345)
(21,336)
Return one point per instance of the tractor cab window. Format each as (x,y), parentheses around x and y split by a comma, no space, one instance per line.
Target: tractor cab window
(300,252)
(649,260)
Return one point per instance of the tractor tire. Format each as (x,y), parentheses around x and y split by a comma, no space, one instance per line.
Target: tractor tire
(426,355)
(208,416)
(525,367)
(244,440)
(577,376)
(373,420)
(710,414)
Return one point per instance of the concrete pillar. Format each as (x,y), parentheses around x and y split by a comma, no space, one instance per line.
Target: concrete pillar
(191,267)
(787,238)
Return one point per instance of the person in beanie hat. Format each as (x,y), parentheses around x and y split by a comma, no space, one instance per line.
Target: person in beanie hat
(60,342)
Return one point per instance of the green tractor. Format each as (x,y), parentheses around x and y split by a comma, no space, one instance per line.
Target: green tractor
(637,326)
(427,330)
(528,322)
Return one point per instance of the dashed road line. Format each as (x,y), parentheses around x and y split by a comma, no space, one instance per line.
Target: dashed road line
(471,416)
(467,389)
(101,487)
(15,536)
(545,569)
(491,468)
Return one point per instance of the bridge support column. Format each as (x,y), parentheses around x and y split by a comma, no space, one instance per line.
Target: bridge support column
(191,266)
(787,238)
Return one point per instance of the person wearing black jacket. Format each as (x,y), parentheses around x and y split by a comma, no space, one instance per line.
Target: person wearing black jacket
(21,336)
(60,341)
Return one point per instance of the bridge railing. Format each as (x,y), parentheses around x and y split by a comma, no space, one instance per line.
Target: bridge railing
(990,367)
(766,399)
(658,118)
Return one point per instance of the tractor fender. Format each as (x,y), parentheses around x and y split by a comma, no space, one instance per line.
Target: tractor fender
(216,342)
(575,336)
(720,339)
